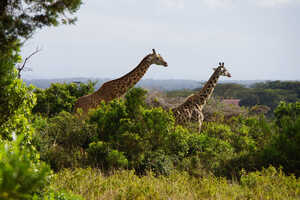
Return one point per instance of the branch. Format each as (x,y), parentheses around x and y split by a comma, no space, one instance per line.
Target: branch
(20,68)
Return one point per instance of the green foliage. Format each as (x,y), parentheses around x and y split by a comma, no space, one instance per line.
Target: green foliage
(126,134)
(61,139)
(60,97)
(267,97)
(15,97)
(287,112)
(267,94)
(128,127)
(178,142)
(281,85)
(20,175)
(284,149)
(17,23)
(229,90)
(20,19)
(57,195)
(158,162)
(119,134)
(135,99)
(15,110)
(101,155)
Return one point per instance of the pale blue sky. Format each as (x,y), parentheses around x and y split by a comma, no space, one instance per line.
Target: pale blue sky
(257,39)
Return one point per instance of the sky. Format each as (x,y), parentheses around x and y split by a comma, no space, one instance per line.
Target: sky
(256,39)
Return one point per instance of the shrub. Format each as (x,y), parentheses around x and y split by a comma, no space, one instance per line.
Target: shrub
(128,127)
(101,155)
(60,97)
(15,110)
(62,140)
(20,175)
(158,162)
(284,148)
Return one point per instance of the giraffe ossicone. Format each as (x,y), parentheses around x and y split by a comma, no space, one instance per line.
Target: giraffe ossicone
(116,88)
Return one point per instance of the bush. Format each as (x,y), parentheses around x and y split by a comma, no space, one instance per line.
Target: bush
(62,140)
(60,97)
(15,110)
(158,162)
(101,155)
(20,175)
(124,133)
(284,148)
(128,127)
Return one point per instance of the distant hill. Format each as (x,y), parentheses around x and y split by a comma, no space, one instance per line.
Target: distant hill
(170,84)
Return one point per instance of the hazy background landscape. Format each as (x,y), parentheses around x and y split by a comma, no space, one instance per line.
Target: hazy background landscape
(171,84)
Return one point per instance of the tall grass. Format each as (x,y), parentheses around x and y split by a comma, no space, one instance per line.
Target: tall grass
(94,185)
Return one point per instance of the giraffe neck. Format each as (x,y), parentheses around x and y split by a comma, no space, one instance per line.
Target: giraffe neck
(209,87)
(131,78)
(118,87)
(198,100)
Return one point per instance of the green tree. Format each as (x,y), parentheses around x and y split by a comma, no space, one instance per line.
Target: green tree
(60,97)
(229,90)
(15,110)
(284,149)
(19,19)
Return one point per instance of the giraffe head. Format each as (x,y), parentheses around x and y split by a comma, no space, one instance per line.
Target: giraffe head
(222,71)
(157,59)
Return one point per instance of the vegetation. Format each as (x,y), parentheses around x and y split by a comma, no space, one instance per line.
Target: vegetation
(130,138)
(131,148)
(128,134)
(93,184)
(268,94)
(20,19)
(60,97)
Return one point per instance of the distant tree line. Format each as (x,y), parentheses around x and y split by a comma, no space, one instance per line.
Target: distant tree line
(266,93)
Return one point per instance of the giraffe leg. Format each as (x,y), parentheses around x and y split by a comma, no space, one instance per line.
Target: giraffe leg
(200,119)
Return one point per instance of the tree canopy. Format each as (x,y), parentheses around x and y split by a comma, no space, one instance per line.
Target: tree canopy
(19,19)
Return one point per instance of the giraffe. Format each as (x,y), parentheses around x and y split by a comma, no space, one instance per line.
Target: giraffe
(116,88)
(191,108)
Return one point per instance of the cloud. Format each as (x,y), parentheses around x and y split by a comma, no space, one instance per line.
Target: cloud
(275,3)
(219,3)
(178,4)
(261,3)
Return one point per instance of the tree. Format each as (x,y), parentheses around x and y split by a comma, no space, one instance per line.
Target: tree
(19,19)
(23,67)
(229,90)
(60,97)
(284,148)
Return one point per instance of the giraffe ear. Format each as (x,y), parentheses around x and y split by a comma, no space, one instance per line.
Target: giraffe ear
(214,69)
(153,51)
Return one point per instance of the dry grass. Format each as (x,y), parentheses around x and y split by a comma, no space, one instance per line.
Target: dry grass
(93,185)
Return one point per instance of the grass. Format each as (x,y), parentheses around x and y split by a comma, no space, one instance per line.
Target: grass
(92,184)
